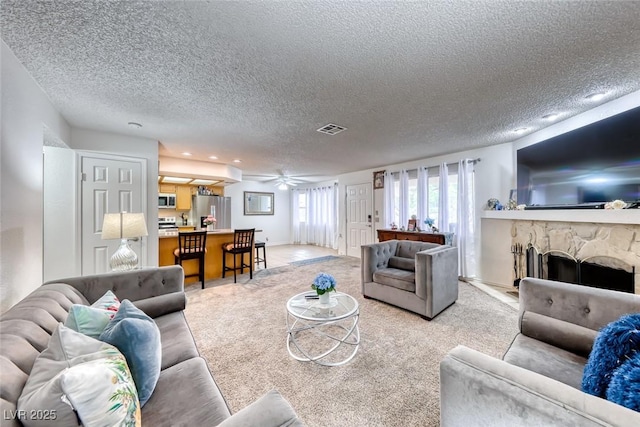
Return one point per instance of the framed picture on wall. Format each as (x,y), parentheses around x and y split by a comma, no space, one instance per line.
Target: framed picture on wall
(378,180)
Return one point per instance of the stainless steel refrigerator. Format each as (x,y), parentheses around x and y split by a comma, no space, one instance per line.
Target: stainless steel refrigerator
(218,206)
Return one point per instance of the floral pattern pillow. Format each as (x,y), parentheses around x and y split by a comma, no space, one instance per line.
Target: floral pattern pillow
(91,320)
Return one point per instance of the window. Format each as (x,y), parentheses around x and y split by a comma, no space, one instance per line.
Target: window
(433,189)
(302,207)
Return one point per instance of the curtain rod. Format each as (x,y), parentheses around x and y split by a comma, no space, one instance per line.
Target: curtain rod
(473,161)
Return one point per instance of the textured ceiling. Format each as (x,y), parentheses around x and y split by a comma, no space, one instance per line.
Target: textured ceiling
(254,80)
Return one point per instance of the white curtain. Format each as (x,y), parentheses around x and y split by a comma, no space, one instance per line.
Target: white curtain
(443,196)
(423,196)
(403,200)
(465,235)
(297,228)
(319,227)
(389,200)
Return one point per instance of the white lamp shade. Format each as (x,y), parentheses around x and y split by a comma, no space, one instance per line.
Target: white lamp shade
(123,226)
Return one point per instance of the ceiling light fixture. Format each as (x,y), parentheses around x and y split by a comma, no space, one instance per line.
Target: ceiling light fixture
(237,161)
(520,131)
(135,125)
(282,186)
(550,117)
(186,153)
(596,96)
(213,157)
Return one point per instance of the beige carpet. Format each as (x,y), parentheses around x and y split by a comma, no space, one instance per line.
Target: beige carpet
(393,380)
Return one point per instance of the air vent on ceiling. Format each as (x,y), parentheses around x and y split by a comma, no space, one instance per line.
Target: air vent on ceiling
(331,129)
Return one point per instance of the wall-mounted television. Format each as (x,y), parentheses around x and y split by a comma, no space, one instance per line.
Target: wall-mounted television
(596,163)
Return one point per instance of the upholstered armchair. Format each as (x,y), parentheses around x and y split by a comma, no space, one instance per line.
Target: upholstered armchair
(417,276)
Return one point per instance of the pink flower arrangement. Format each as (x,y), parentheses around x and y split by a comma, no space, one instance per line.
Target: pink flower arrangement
(209,220)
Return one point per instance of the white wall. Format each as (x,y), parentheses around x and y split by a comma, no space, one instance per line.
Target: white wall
(276,228)
(25,111)
(130,146)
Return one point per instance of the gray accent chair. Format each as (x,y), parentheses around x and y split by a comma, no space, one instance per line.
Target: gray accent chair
(538,380)
(417,276)
(186,393)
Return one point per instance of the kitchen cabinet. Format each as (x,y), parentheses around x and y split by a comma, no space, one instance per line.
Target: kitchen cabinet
(411,235)
(183,197)
(167,188)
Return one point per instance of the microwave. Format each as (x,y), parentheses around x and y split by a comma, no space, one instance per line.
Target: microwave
(166,201)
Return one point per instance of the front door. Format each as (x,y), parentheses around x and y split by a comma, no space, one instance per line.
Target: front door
(359,221)
(110,184)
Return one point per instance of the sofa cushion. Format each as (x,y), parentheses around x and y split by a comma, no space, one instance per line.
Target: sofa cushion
(102,392)
(198,399)
(615,343)
(624,388)
(547,360)
(136,335)
(177,342)
(270,410)
(394,277)
(402,263)
(44,387)
(91,320)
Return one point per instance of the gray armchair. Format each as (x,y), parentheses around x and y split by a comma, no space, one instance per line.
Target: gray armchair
(417,276)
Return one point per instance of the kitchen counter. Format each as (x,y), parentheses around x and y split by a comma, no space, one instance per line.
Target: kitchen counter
(168,242)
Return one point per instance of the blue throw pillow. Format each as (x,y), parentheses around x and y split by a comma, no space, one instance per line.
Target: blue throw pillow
(137,337)
(614,344)
(624,388)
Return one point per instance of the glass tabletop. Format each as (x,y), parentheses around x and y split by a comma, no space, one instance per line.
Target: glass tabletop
(340,306)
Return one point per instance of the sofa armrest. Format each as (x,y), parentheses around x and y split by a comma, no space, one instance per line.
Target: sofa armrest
(133,285)
(162,304)
(558,313)
(437,274)
(271,410)
(480,390)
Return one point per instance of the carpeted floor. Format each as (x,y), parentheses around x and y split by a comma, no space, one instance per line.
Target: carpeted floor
(393,380)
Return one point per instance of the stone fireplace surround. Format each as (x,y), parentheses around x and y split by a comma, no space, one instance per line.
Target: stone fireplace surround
(608,238)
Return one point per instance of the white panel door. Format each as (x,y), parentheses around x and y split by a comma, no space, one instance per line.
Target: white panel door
(109,185)
(359,217)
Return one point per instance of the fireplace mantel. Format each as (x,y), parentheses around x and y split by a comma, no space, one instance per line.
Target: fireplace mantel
(598,216)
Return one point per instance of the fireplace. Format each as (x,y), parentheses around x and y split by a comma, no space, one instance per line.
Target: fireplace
(556,265)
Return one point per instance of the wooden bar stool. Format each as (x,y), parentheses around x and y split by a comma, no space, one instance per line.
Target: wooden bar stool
(261,245)
(242,244)
(192,245)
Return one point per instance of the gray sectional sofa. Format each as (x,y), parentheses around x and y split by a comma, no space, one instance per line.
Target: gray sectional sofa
(538,380)
(417,276)
(186,393)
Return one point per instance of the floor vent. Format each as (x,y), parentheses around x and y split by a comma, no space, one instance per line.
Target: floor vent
(331,129)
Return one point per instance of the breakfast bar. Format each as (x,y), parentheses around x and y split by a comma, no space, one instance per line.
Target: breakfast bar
(168,242)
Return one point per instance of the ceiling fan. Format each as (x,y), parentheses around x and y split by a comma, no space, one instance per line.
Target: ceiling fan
(282,180)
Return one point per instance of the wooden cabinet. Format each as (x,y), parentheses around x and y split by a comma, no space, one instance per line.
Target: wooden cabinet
(167,188)
(384,234)
(183,197)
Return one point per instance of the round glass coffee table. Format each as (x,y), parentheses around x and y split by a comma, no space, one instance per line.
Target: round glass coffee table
(326,334)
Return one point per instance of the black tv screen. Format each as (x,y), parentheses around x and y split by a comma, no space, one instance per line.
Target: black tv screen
(599,162)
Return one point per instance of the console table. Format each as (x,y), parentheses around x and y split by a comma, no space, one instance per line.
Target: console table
(419,236)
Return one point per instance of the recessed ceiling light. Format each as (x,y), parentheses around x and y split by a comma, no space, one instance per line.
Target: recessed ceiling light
(237,161)
(596,96)
(186,153)
(176,180)
(521,130)
(550,117)
(135,125)
(213,157)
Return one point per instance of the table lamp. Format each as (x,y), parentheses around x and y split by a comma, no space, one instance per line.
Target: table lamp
(123,226)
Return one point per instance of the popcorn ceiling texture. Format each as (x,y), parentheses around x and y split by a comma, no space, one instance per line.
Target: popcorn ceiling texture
(256,79)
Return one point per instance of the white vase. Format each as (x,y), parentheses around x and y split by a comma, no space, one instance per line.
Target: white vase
(211,227)
(324,298)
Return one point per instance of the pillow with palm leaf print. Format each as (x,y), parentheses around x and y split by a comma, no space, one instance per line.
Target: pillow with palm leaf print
(44,389)
(103,392)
